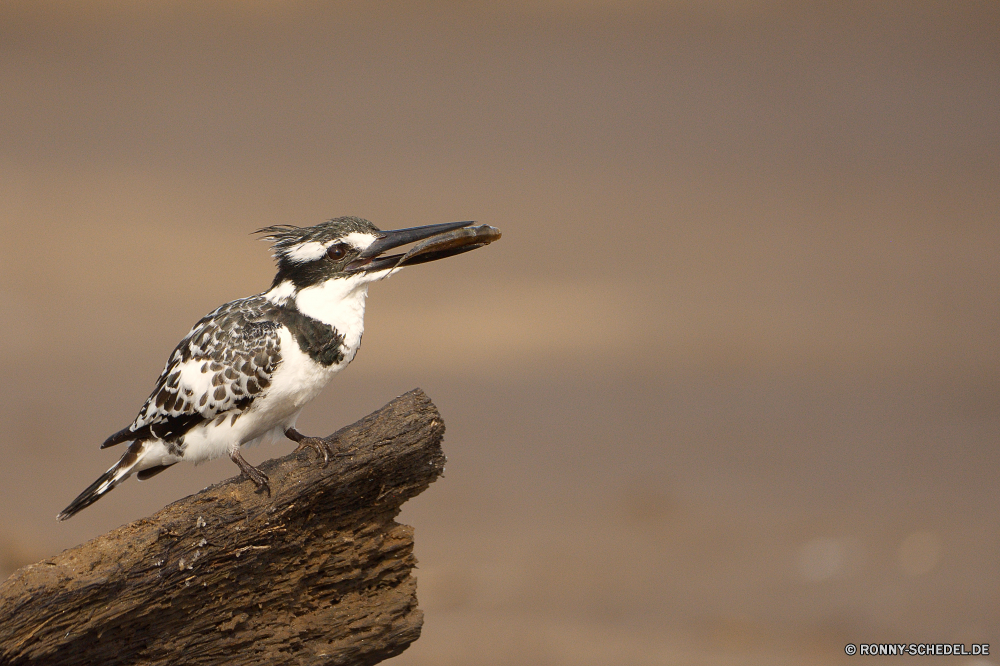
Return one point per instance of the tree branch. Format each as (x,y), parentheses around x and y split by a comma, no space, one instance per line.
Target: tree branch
(318,573)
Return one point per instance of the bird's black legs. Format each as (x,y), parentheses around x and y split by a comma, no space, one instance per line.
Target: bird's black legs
(321,446)
(251,472)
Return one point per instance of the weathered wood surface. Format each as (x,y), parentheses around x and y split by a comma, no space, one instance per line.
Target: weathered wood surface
(318,573)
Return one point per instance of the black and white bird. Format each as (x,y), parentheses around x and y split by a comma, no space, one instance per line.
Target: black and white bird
(244,372)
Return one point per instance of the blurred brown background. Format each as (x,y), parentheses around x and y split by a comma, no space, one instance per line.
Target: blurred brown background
(725,393)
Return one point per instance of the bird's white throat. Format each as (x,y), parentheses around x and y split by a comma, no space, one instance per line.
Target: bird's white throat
(340,303)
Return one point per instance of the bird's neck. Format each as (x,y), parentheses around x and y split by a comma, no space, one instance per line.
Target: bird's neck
(339,303)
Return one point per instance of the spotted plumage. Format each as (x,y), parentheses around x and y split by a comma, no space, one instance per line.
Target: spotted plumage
(228,358)
(244,372)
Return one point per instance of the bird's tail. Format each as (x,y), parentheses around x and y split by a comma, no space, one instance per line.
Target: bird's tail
(120,471)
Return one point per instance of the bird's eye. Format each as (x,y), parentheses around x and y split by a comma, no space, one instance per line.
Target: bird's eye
(337,251)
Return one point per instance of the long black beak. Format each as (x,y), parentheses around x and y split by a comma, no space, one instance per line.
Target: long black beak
(372,259)
(391,239)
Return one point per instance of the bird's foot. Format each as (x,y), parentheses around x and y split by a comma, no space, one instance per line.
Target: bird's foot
(320,445)
(258,477)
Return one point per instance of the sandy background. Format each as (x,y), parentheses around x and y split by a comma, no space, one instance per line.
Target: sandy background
(727,391)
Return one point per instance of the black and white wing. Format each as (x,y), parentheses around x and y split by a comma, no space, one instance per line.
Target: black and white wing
(217,370)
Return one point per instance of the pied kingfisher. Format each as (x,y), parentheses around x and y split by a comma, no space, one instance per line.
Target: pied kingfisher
(244,373)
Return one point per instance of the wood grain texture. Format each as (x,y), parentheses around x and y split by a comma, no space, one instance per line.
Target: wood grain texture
(318,573)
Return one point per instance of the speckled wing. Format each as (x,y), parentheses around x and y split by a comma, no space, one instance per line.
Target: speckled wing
(226,360)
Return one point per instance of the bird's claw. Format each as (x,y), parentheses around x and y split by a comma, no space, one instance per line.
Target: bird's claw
(261,481)
(258,477)
(321,446)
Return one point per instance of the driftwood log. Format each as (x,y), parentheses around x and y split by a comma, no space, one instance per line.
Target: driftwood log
(317,573)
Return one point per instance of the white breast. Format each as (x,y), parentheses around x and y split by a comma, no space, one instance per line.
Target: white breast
(294,384)
(341,304)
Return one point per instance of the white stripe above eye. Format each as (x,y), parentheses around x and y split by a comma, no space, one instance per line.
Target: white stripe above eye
(305,252)
(359,240)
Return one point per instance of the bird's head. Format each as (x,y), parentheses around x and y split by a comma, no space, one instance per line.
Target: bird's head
(345,248)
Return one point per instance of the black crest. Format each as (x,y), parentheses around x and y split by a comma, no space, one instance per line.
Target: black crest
(284,237)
